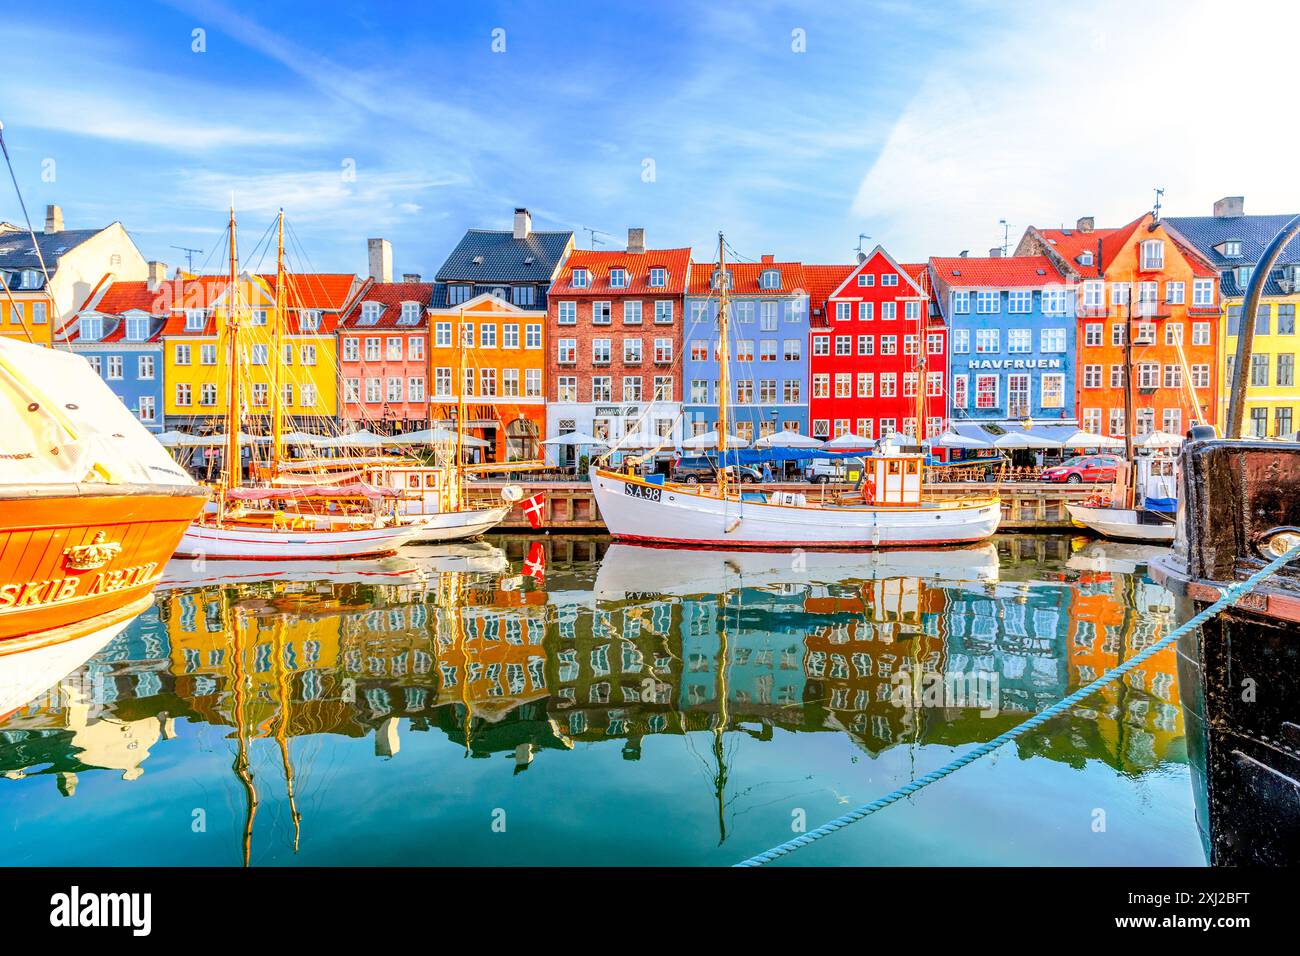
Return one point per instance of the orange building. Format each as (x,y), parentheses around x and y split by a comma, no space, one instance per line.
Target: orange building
(502,370)
(1148,270)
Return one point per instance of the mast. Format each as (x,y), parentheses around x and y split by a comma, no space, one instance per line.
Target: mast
(921,329)
(233,471)
(1130,492)
(724,373)
(277,398)
(460,409)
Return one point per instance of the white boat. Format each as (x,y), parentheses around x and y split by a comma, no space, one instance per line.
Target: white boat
(247,543)
(1125,524)
(458,525)
(889,510)
(1114,557)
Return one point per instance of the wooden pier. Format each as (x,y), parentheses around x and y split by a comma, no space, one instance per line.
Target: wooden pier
(1026,505)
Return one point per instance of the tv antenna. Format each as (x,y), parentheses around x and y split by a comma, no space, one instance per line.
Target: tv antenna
(1159,193)
(592,241)
(189,256)
(1006,235)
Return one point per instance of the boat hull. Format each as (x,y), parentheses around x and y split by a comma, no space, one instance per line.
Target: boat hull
(72,553)
(637,511)
(1121,524)
(458,525)
(203,540)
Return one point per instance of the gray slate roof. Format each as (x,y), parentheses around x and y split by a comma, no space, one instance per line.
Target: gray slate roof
(504,257)
(17,251)
(1255,233)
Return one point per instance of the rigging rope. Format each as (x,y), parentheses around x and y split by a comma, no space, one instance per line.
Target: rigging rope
(1230,596)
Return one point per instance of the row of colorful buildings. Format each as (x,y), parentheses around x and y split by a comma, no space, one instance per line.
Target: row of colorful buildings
(560,339)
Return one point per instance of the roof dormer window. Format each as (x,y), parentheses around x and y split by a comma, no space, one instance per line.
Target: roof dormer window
(581,279)
(31,279)
(1230,248)
(370,312)
(1085,258)
(658,278)
(721,279)
(770,279)
(618,278)
(410,313)
(90,328)
(137,328)
(195,320)
(309,320)
(1153,254)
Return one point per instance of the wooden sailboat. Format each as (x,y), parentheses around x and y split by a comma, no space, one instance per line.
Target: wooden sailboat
(279,523)
(1129,523)
(889,509)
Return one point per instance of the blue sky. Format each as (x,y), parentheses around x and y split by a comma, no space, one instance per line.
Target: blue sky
(919,124)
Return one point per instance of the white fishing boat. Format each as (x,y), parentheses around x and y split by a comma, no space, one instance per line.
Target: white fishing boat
(1124,524)
(1150,519)
(888,509)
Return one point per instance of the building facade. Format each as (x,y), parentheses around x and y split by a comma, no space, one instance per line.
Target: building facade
(876,341)
(768,345)
(517,265)
(614,331)
(119,332)
(1011,338)
(1234,243)
(502,371)
(1145,274)
(383,349)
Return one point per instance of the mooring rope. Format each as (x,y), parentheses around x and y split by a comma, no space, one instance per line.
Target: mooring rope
(1230,595)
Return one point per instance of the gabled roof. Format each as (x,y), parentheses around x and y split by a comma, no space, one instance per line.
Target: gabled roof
(822,281)
(879,251)
(314,290)
(1009,272)
(638,266)
(745,276)
(490,255)
(485,303)
(113,302)
(390,295)
(206,292)
(17,251)
(1071,244)
(1253,232)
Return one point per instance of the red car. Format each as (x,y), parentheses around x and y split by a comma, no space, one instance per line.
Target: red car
(1084,468)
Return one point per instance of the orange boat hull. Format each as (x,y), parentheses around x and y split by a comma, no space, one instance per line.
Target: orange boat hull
(68,556)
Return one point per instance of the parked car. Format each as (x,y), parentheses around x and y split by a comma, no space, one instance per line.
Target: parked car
(823,470)
(1083,468)
(693,470)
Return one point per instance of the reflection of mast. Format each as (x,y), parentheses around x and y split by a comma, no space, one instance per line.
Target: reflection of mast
(720,725)
(242,767)
(451,595)
(282,732)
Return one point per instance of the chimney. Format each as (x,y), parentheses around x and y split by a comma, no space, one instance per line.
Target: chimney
(1086,224)
(995,252)
(963,254)
(410,277)
(523,223)
(636,240)
(769,257)
(53,219)
(1227,206)
(381,259)
(157,274)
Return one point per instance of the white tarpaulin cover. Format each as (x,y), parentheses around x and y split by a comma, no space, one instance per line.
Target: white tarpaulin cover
(62,423)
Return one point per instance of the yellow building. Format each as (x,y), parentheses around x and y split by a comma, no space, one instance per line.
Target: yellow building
(197,367)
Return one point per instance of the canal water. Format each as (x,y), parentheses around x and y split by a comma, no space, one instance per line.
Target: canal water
(581,702)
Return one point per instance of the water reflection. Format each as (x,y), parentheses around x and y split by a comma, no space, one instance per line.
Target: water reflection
(618,646)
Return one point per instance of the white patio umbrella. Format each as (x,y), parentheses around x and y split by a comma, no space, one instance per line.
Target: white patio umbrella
(1083,439)
(639,440)
(440,436)
(847,442)
(577,439)
(303,438)
(1021,439)
(177,439)
(1159,440)
(709,440)
(952,439)
(788,439)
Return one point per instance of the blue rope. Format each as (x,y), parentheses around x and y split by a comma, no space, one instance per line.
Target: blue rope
(1230,595)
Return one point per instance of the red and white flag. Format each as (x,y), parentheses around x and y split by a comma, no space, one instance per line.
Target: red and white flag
(532,508)
(535,563)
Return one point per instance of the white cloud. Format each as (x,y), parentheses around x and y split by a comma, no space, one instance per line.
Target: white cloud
(1083,112)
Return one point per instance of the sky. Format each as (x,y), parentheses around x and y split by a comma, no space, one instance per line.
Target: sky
(794,128)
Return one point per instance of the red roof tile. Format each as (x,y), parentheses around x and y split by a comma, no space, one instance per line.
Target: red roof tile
(744,278)
(638,266)
(390,295)
(315,290)
(822,281)
(998,273)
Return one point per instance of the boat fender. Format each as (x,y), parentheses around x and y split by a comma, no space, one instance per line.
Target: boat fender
(733,526)
(512,493)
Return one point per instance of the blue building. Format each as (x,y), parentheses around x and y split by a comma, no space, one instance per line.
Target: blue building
(1012,339)
(119,330)
(769,345)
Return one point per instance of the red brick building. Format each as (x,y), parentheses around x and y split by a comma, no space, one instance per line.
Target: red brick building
(870,333)
(384,357)
(614,339)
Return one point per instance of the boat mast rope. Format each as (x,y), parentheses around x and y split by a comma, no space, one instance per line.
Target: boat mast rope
(1231,595)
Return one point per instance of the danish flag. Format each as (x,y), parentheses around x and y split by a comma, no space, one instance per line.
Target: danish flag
(532,508)
(535,563)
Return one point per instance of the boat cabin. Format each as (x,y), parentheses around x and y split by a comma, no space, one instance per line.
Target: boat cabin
(893,479)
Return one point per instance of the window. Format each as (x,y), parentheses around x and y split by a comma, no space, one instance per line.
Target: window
(566,388)
(523,295)
(1052,340)
(257,354)
(987,302)
(744,350)
(767,350)
(394,344)
(961,341)
(933,384)
(580,279)
(1120,292)
(866,311)
(567,313)
(821,428)
(632,312)
(90,328)
(1093,294)
(843,311)
(1175,292)
(866,385)
(959,397)
(1018,396)
(843,385)
(912,311)
(934,343)
(767,317)
(208,393)
(352,348)
(1091,420)
(866,279)
(821,385)
(632,388)
(1286,318)
(1201,376)
(1203,292)
(631,351)
(791,389)
(1053,301)
(1117,333)
(184,394)
(181,354)
(394,392)
(618,278)
(1019,340)
(137,327)
(1286,369)
(414,391)
(567,351)
(601,388)
(146,409)
(888,384)
(533,335)
(94,362)
(1263,320)
(663,351)
(373,344)
(911,345)
(456,294)
(370,313)
(144,367)
(843,345)
(1118,379)
(889,345)
(792,350)
(664,313)
(1173,376)
(821,345)
(1282,421)
(1146,421)
(1117,426)
(1174,333)
(889,279)
(866,345)
(195,319)
(287,394)
(961,302)
(986,391)
(1259,369)
(1153,254)
(1092,333)
(114,367)
(1020,300)
(532,383)
(1148,375)
(1232,248)
(600,351)
(663,388)
(601,313)
(888,310)
(1092,376)
(987,340)
(442,335)
(1259,422)
(487,338)
(658,278)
